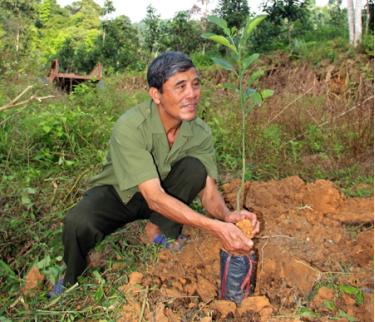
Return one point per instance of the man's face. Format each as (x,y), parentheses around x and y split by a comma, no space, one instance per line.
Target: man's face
(180,96)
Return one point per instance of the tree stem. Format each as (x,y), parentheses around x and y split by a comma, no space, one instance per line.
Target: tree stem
(243,136)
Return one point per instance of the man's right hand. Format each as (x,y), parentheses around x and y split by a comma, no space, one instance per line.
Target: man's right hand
(233,239)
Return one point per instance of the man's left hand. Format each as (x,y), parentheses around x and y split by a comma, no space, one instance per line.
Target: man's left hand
(236,216)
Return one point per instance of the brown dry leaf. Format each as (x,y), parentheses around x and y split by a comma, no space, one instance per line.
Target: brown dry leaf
(34,279)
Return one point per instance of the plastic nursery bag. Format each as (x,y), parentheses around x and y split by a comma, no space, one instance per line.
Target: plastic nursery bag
(237,274)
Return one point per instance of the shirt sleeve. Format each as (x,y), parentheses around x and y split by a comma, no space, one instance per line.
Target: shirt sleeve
(132,163)
(205,152)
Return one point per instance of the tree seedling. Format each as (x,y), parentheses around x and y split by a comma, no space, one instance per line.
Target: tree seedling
(237,61)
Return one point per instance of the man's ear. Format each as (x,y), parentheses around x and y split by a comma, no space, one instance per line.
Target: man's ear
(154,94)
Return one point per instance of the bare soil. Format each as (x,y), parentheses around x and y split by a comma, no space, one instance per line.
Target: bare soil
(312,240)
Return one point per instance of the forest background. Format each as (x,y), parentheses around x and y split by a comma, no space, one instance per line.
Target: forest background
(318,124)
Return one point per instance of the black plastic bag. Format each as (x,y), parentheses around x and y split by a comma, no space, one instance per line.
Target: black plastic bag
(237,274)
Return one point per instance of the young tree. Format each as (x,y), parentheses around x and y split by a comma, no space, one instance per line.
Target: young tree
(108,7)
(152,29)
(238,61)
(17,18)
(120,48)
(286,18)
(180,33)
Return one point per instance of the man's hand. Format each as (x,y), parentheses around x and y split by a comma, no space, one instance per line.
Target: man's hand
(236,216)
(234,240)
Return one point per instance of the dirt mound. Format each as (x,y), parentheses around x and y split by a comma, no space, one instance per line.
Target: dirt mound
(311,236)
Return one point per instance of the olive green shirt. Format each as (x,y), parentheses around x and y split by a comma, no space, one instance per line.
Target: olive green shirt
(139,150)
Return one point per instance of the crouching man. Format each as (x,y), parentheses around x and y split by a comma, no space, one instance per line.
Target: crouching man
(160,158)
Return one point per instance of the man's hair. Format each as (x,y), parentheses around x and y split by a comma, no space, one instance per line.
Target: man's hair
(166,65)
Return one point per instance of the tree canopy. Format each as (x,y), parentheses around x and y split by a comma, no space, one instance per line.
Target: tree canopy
(84,33)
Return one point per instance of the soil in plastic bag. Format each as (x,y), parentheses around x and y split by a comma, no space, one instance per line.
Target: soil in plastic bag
(237,275)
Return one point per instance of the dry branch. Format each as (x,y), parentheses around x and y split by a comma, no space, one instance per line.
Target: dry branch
(333,119)
(14,102)
(288,105)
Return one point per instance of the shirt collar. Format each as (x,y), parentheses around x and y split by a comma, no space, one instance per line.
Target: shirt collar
(157,126)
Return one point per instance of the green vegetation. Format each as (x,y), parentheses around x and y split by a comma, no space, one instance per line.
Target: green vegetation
(318,124)
(331,307)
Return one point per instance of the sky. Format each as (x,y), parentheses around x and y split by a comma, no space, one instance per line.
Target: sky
(136,9)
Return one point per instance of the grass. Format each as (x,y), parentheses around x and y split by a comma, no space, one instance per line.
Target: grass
(331,307)
(97,296)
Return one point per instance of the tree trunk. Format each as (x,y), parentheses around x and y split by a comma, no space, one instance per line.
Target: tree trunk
(351,21)
(368,16)
(358,22)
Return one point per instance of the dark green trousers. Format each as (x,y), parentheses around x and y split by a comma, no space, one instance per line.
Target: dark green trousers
(101,211)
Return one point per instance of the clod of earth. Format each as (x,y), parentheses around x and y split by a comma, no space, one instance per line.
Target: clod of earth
(246,227)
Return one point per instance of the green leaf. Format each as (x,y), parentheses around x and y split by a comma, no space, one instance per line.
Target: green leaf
(254,76)
(230,86)
(219,22)
(44,263)
(99,278)
(207,35)
(52,273)
(29,190)
(250,91)
(255,98)
(6,271)
(343,314)
(99,294)
(330,305)
(306,313)
(223,41)
(26,201)
(266,93)
(222,62)
(46,128)
(351,290)
(249,60)
(69,162)
(253,23)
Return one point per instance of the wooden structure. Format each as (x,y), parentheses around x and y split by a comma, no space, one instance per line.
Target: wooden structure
(67,81)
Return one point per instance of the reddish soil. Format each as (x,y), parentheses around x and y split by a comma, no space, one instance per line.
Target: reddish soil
(312,240)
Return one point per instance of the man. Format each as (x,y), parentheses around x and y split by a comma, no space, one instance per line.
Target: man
(160,158)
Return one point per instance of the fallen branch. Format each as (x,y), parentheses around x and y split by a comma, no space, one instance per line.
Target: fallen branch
(289,104)
(143,305)
(74,185)
(273,236)
(14,102)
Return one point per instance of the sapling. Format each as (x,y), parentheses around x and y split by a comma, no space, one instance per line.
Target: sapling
(237,60)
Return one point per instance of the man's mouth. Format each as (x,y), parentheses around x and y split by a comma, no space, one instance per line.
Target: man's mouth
(190,106)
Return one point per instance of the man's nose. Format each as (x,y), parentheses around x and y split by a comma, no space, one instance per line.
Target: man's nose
(191,91)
